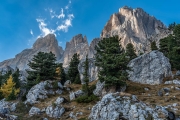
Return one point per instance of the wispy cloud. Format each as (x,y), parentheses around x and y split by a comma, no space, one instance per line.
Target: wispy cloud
(31,32)
(43,28)
(60,21)
(66,24)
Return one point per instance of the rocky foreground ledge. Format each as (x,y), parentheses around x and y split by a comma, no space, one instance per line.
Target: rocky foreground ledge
(116,106)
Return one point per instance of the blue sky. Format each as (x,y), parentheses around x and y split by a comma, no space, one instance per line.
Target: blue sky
(22,21)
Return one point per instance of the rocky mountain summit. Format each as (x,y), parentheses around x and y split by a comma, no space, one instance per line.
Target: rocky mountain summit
(46,44)
(78,44)
(135,26)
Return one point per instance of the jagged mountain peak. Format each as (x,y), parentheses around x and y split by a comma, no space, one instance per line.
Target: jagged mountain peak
(78,44)
(44,44)
(135,26)
(45,41)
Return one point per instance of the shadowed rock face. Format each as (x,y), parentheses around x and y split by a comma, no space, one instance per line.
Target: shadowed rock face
(46,44)
(79,45)
(135,26)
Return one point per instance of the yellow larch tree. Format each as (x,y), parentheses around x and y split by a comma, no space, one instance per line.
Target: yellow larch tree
(8,87)
(58,73)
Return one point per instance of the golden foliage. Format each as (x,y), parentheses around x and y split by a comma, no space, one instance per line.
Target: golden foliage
(58,73)
(7,88)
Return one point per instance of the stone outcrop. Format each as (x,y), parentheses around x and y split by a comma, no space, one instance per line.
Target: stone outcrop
(135,26)
(92,72)
(7,107)
(115,107)
(46,44)
(149,68)
(79,45)
(39,92)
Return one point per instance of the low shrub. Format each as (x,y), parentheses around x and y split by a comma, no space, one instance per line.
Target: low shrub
(55,85)
(86,99)
(22,108)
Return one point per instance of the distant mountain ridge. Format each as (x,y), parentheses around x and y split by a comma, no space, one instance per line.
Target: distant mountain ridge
(131,25)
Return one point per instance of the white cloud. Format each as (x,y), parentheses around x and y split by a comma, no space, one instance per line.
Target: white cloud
(44,30)
(31,32)
(58,22)
(62,15)
(66,24)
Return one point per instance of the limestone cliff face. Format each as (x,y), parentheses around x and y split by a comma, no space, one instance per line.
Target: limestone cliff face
(79,45)
(92,51)
(135,26)
(46,44)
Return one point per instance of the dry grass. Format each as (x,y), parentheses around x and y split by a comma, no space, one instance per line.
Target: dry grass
(151,96)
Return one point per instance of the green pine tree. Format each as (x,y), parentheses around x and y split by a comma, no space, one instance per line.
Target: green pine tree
(73,72)
(43,66)
(153,46)
(170,47)
(16,79)
(85,87)
(5,77)
(171,26)
(1,95)
(130,51)
(12,96)
(112,61)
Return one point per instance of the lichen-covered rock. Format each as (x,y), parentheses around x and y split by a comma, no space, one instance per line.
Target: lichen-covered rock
(149,68)
(113,106)
(34,111)
(92,71)
(135,26)
(55,111)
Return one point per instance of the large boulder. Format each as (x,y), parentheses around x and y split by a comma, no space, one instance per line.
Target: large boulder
(135,26)
(39,92)
(149,68)
(92,71)
(114,107)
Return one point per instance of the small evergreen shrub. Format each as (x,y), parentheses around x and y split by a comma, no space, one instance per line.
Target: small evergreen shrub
(55,85)
(12,96)
(86,99)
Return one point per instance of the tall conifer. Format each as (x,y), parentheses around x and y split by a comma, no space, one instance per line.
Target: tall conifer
(112,61)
